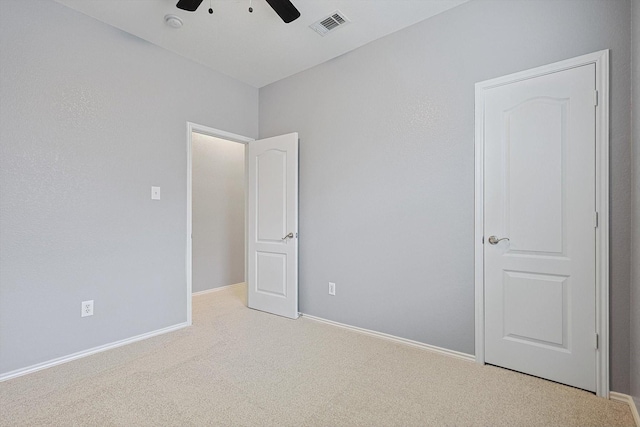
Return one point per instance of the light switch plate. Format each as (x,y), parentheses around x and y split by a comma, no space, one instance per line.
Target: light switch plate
(155,193)
(332,288)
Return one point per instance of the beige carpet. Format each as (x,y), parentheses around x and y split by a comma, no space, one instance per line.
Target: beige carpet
(237,366)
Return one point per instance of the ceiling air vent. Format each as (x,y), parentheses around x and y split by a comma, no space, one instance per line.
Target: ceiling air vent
(330,23)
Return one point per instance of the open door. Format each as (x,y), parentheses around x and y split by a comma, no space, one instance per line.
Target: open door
(272,206)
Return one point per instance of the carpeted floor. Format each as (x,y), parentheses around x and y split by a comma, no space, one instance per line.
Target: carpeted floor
(237,366)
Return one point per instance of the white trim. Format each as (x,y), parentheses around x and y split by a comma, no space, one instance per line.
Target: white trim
(602,232)
(220,288)
(479,225)
(194,127)
(423,346)
(625,398)
(84,353)
(601,61)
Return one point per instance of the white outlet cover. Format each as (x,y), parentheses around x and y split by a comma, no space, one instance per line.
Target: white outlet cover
(155,193)
(87,308)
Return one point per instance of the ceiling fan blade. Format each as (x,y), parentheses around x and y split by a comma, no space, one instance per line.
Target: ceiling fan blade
(285,9)
(189,5)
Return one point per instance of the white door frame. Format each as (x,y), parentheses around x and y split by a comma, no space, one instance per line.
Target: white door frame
(205,130)
(601,61)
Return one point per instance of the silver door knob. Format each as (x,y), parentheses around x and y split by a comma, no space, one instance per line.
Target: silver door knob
(494,240)
(288,236)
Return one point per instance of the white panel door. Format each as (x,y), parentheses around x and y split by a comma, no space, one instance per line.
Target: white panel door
(272,279)
(540,198)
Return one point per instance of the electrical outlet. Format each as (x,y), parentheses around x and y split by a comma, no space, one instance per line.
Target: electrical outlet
(332,288)
(87,308)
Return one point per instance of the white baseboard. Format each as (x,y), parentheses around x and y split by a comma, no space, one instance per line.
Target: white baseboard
(208,291)
(64,359)
(423,346)
(625,398)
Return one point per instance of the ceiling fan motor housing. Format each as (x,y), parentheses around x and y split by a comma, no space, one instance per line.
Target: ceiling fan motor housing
(284,8)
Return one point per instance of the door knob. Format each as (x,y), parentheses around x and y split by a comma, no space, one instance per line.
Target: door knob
(288,236)
(494,240)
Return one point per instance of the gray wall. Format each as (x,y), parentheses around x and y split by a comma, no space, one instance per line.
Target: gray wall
(635,260)
(387,171)
(90,119)
(218,212)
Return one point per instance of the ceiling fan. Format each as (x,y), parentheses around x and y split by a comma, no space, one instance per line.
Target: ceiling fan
(284,8)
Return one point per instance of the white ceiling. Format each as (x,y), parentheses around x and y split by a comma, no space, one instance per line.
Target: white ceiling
(258,48)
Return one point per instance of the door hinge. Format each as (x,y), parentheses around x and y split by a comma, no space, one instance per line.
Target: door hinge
(596,219)
(595,98)
(596,341)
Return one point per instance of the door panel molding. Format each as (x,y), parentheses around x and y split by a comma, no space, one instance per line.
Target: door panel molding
(601,99)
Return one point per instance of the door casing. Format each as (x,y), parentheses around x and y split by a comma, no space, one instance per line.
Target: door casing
(205,130)
(601,61)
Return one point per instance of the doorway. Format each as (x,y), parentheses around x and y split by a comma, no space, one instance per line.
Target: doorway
(218,213)
(541,245)
(216,210)
(270,211)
